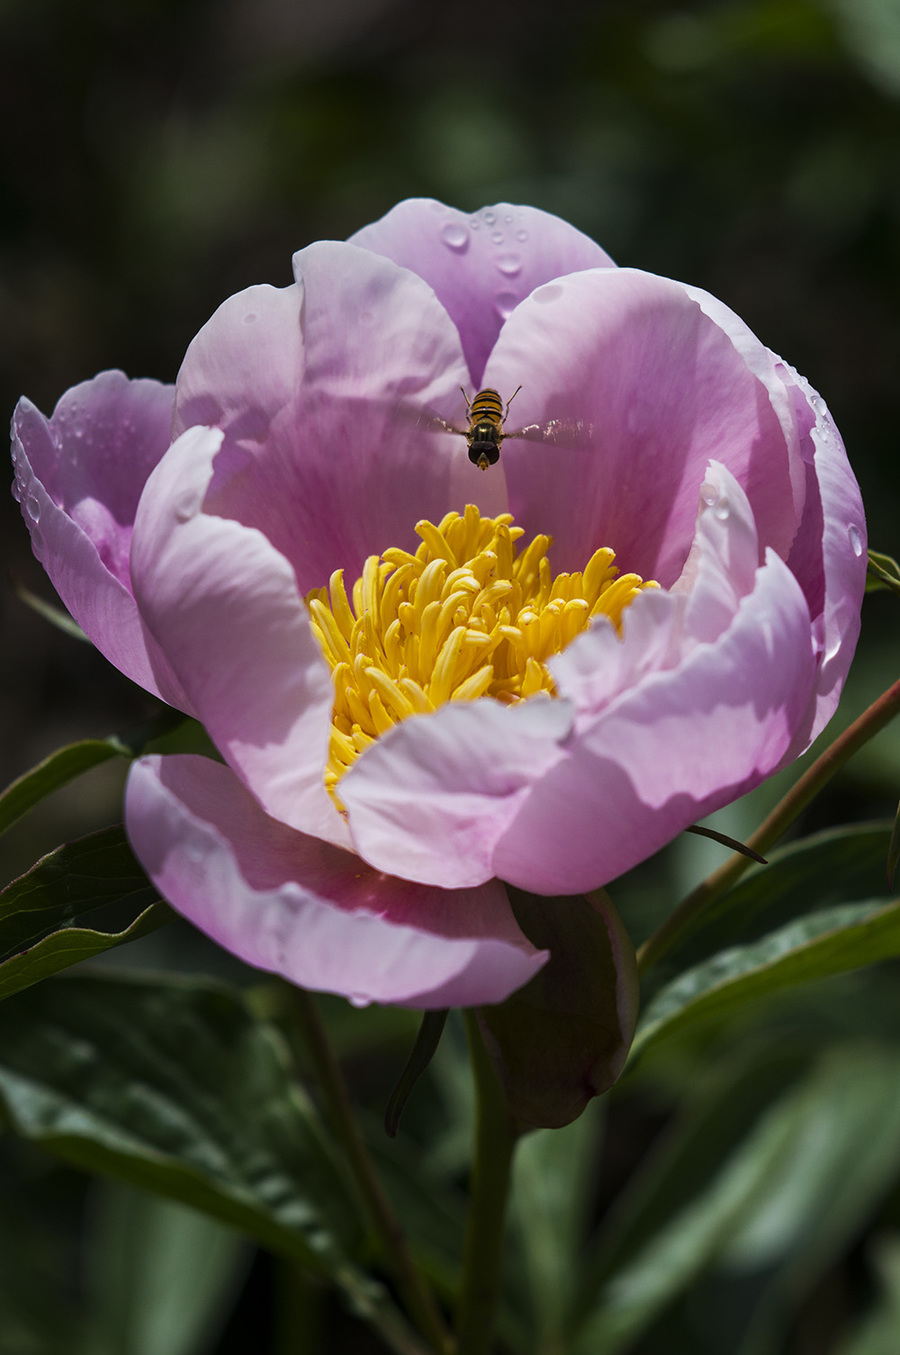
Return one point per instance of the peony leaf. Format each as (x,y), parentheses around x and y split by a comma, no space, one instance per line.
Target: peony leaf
(175,1087)
(161,1277)
(40,910)
(563,1038)
(830,941)
(882,572)
(840,865)
(797,1177)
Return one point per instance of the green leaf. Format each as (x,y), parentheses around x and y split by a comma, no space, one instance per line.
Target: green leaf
(840,865)
(791,1193)
(831,941)
(38,911)
(893,856)
(67,763)
(71,945)
(882,572)
(174,1086)
(563,1037)
(553,1179)
(55,615)
(162,1278)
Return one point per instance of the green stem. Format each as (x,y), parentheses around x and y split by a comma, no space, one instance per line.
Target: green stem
(410,1282)
(872,720)
(495,1140)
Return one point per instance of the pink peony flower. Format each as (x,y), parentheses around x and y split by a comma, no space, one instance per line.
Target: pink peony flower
(476,715)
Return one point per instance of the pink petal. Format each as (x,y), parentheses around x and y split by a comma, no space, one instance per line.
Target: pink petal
(661,390)
(481,265)
(828,556)
(669,750)
(79,477)
(431,797)
(224,607)
(295,906)
(320,389)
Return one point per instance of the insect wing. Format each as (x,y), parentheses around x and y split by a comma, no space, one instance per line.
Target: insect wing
(569,434)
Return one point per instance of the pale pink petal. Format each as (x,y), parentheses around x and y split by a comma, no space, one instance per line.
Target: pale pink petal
(659,390)
(79,476)
(325,391)
(828,556)
(678,745)
(296,906)
(223,606)
(480,264)
(430,799)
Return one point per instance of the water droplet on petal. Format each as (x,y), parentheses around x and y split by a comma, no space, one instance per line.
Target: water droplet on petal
(506,303)
(522,236)
(721,508)
(184,509)
(819,405)
(856,541)
(709,494)
(473,225)
(33,508)
(489,218)
(16,491)
(454,236)
(195,851)
(510,264)
(357,1000)
(37,544)
(552,292)
(497,238)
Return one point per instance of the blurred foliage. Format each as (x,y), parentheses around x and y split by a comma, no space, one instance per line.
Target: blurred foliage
(159,156)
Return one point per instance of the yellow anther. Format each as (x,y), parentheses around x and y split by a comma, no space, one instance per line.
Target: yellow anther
(468,615)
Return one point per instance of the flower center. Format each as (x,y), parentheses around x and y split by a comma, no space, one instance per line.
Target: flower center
(468,615)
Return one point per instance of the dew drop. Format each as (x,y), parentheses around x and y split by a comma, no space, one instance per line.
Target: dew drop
(497,238)
(473,225)
(509,264)
(552,292)
(33,508)
(856,541)
(819,405)
(709,495)
(16,491)
(489,218)
(357,1000)
(506,303)
(195,851)
(522,236)
(184,509)
(721,508)
(454,236)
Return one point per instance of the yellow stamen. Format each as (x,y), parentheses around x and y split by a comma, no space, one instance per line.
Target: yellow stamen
(467,616)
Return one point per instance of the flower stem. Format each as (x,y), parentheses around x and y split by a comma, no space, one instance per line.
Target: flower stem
(410,1282)
(495,1140)
(872,720)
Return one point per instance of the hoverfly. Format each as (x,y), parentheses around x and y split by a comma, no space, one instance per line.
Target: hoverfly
(485,433)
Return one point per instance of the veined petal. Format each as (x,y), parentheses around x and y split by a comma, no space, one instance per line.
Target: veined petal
(223,605)
(659,389)
(677,745)
(326,391)
(430,799)
(79,477)
(481,264)
(317,915)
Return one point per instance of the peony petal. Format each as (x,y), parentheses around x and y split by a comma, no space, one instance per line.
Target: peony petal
(431,797)
(673,748)
(659,390)
(79,476)
(317,915)
(828,556)
(223,605)
(482,264)
(326,392)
